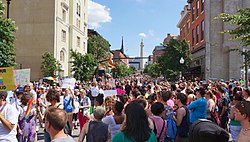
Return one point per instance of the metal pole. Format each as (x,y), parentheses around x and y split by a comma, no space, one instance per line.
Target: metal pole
(246,78)
(8,8)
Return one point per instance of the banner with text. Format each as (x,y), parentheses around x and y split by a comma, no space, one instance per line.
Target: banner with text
(22,77)
(7,79)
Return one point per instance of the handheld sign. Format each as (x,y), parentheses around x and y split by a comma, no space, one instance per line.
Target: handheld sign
(7,79)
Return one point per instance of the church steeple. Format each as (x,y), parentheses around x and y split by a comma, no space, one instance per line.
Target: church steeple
(122,47)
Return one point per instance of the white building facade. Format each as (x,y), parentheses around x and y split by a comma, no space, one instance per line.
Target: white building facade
(54,26)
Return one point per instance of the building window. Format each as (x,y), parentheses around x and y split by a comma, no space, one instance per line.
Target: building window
(62,56)
(79,12)
(192,37)
(63,36)
(64,13)
(78,9)
(197,62)
(84,44)
(197,33)
(184,32)
(197,8)
(78,41)
(202,5)
(78,23)
(192,14)
(202,29)
(188,27)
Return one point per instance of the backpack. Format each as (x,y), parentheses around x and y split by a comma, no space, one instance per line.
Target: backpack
(172,128)
(204,130)
(214,116)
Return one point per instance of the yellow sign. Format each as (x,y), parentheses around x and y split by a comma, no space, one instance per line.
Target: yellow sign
(7,82)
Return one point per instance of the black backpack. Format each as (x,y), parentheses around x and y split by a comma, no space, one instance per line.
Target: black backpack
(207,131)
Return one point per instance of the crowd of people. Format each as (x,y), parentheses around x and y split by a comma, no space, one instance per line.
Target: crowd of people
(142,110)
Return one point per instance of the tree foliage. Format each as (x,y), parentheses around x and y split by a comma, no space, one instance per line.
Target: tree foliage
(170,61)
(153,70)
(98,47)
(242,30)
(49,66)
(242,22)
(132,69)
(7,49)
(83,66)
(122,70)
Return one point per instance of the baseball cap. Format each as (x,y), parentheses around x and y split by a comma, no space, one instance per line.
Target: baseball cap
(19,90)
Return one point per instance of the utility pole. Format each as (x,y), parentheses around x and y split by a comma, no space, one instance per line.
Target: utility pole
(8,8)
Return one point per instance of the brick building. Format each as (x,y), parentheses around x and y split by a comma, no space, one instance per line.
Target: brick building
(169,36)
(157,52)
(192,29)
(210,48)
(120,54)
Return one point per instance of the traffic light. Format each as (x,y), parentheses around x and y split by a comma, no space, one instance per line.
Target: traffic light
(149,58)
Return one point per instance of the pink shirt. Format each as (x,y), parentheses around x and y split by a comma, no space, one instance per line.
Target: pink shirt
(170,103)
(120,91)
(159,123)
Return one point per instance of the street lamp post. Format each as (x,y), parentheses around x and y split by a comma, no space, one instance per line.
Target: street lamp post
(8,8)
(181,63)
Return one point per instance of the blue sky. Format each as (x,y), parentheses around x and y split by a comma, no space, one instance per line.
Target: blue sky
(150,20)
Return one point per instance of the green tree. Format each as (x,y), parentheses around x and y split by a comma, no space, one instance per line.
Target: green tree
(153,70)
(83,66)
(170,61)
(132,70)
(122,70)
(241,32)
(98,47)
(7,49)
(242,22)
(49,66)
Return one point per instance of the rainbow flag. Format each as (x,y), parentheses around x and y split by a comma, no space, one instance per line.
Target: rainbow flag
(30,105)
(1,80)
(110,64)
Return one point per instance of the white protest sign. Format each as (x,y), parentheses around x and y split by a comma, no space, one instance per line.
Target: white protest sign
(68,83)
(22,77)
(109,93)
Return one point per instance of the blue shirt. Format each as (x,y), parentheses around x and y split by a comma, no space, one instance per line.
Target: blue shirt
(198,109)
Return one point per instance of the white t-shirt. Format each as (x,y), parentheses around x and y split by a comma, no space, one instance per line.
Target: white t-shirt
(10,113)
(114,128)
(94,91)
(33,93)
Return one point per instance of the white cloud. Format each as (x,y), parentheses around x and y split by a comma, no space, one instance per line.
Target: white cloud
(142,35)
(98,14)
(150,33)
